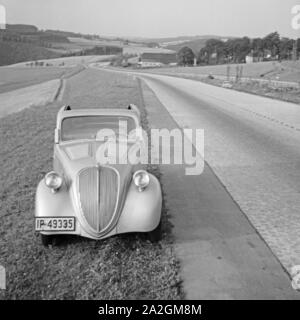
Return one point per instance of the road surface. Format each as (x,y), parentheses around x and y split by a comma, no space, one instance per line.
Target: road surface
(252,145)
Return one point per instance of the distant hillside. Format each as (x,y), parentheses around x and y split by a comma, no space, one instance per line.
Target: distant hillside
(44,44)
(14,52)
(172,39)
(21,28)
(24,29)
(69,34)
(19,43)
(195,44)
(31,34)
(97,51)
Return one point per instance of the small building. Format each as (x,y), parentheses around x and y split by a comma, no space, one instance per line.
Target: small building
(252,57)
(249,58)
(148,63)
(157,59)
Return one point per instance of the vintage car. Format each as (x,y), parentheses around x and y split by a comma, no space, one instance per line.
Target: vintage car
(84,197)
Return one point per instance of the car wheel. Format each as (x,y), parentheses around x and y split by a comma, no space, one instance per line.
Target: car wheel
(156,234)
(47,240)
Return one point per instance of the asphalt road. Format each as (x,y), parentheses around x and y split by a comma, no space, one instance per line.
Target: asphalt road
(252,174)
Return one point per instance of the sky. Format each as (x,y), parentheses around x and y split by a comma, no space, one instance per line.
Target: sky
(157,18)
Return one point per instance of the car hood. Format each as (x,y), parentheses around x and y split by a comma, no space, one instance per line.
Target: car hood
(79,167)
(77,156)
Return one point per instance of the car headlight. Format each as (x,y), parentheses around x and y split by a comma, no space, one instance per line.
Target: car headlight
(53,180)
(141,179)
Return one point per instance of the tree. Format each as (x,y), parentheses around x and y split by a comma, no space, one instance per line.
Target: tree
(152,44)
(271,42)
(285,48)
(216,50)
(185,56)
(203,56)
(235,50)
(245,48)
(257,48)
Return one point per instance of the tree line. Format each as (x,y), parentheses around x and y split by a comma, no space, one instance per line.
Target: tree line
(235,50)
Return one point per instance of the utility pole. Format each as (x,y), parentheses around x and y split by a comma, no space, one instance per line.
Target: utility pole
(228,71)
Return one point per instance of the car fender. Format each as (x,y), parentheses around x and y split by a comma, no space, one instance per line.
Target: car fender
(142,210)
(49,204)
(58,204)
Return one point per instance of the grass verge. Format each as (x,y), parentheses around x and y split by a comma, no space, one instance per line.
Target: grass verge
(265,89)
(288,94)
(121,267)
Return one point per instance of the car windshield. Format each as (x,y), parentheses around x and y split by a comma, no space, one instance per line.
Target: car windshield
(89,127)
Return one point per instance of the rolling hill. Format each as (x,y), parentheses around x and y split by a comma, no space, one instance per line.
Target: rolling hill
(13,52)
(196,43)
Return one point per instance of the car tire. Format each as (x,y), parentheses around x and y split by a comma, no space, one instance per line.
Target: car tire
(47,240)
(156,234)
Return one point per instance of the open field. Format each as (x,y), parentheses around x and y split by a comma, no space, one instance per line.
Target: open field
(16,78)
(76,44)
(195,44)
(37,95)
(121,267)
(13,52)
(140,50)
(86,43)
(285,71)
(68,62)
(131,48)
(290,71)
(289,94)
(271,79)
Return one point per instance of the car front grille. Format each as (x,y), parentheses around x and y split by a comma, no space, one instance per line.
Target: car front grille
(98,192)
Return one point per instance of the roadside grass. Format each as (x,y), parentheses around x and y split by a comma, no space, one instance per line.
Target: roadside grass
(122,267)
(36,95)
(288,94)
(285,71)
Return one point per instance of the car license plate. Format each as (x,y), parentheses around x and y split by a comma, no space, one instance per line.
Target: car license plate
(55,224)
